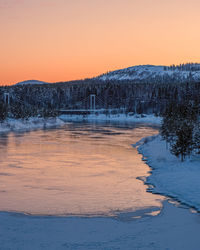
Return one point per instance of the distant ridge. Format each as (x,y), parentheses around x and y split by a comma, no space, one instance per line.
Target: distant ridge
(31,82)
(183,73)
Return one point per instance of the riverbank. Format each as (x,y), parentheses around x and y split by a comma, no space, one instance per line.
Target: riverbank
(34,123)
(143,118)
(170,176)
(29,124)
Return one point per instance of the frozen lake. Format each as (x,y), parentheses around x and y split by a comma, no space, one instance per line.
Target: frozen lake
(78,169)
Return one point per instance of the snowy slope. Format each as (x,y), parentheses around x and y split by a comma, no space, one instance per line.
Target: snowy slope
(31,82)
(153,73)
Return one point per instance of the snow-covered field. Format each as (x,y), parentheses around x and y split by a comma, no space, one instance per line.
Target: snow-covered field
(170,176)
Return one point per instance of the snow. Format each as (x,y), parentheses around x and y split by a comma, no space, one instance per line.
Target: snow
(114,118)
(145,72)
(29,124)
(175,228)
(40,123)
(170,176)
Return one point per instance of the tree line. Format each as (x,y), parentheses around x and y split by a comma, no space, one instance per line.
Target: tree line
(139,98)
(184,67)
(178,103)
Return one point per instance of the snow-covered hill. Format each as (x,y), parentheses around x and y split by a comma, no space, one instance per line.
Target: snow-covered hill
(31,82)
(147,74)
(151,73)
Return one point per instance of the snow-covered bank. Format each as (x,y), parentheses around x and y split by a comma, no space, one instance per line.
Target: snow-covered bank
(170,176)
(175,228)
(118,118)
(29,124)
(40,123)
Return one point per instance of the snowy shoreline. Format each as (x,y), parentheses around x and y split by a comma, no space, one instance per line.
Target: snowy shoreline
(169,176)
(143,118)
(33,123)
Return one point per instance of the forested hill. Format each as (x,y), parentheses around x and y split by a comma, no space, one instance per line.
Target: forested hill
(189,72)
(183,73)
(138,97)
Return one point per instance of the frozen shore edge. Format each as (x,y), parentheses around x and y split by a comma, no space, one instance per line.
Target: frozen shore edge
(169,176)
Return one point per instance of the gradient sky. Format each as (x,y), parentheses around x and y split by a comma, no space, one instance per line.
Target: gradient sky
(59,40)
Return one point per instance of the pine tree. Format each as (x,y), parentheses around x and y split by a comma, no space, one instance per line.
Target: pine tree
(183,144)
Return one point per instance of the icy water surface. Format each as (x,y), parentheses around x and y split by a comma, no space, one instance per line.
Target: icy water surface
(79,169)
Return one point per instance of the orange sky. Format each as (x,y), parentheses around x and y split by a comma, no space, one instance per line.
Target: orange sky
(59,40)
